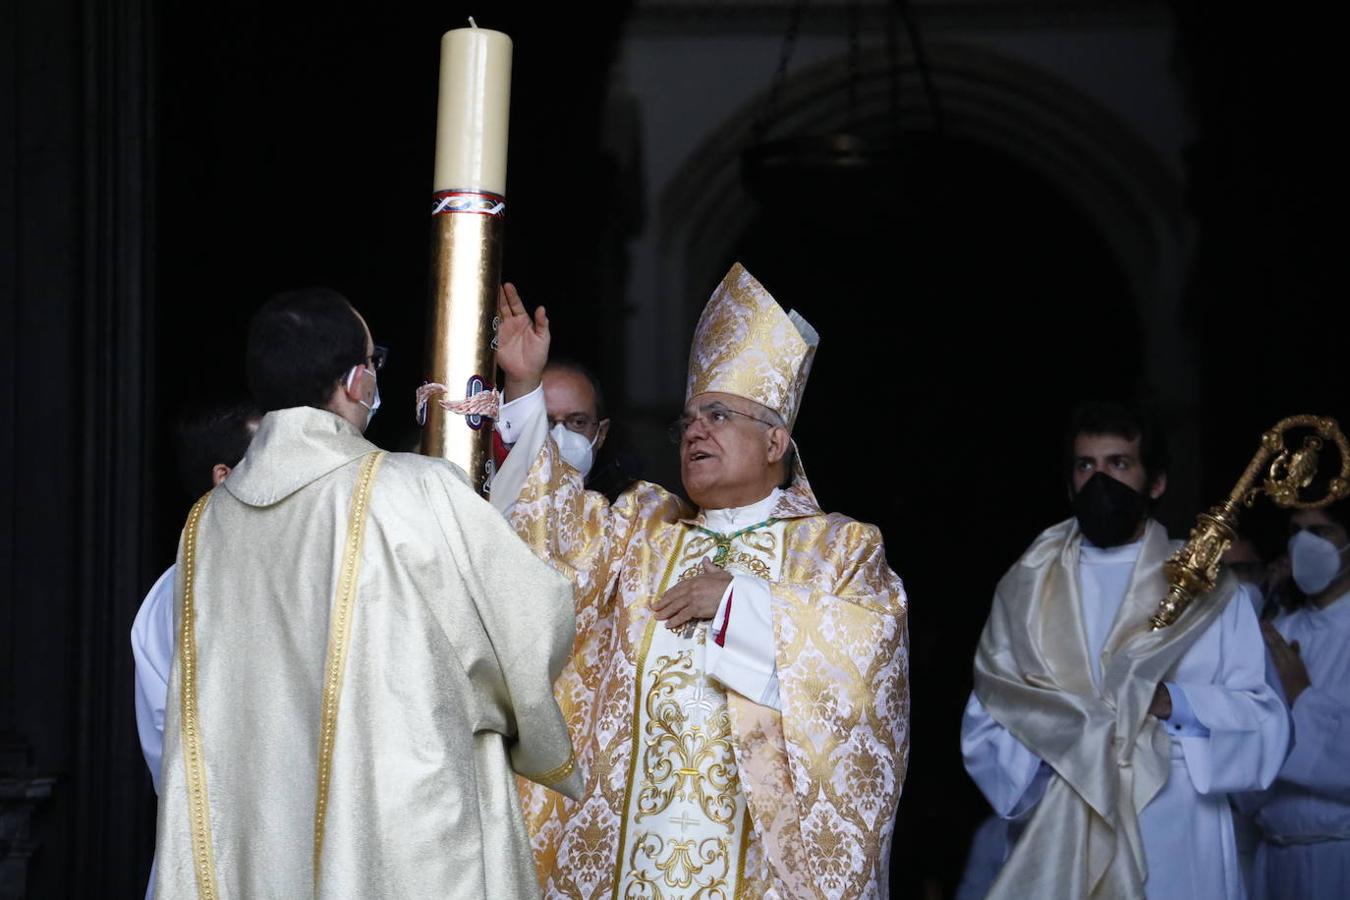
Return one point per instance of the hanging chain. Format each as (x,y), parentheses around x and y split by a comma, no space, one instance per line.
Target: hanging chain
(854,62)
(766,116)
(921,61)
(893,57)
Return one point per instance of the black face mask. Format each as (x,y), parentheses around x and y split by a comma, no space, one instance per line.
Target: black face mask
(1108,511)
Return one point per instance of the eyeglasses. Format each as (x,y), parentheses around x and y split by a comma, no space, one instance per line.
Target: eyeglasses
(714,416)
(378,356)
(577,422)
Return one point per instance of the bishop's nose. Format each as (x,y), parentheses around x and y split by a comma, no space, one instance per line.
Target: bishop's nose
(695,430)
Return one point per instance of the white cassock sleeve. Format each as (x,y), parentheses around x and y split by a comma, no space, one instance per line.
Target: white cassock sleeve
(152,649)
(1320,760)
(512,417)
(1247,724)
(523,425)
(739,646)
(1010,776)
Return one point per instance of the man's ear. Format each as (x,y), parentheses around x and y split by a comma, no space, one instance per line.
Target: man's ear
(779,439)
(219,472)
(351,385)
(601,432)
(1158,487)
(346,391)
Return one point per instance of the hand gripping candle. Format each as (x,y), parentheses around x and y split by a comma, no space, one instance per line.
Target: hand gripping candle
(468,211)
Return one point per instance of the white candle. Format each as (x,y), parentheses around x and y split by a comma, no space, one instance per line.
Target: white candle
(473,111)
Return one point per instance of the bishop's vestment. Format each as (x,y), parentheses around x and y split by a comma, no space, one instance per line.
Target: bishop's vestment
(693,788)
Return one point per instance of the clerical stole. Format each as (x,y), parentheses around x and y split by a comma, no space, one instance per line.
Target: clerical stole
(685,827)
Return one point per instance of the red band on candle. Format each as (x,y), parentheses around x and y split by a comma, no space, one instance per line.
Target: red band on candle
(478,203)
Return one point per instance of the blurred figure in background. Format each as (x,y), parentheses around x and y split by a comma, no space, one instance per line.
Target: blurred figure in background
(578,420)
(1304,817)
(1247,566)
(210,442)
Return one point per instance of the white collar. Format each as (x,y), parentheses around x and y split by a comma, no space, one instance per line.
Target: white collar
(725,521)
(1091,555)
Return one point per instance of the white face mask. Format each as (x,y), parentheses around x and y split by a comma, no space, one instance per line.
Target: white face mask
(1315,560)
(579,453)
(374,404)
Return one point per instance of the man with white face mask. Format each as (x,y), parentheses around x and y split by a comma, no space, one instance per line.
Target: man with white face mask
(1305,816)
(576,413)
(366,653)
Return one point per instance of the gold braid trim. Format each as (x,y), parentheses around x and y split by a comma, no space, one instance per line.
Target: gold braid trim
(742,890)
(339,634)
(557,774)
(199,810)
(633,751)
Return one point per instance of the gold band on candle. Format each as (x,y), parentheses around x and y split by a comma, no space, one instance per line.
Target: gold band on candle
(467,232)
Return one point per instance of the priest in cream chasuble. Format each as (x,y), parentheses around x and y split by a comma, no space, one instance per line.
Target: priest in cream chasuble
(364,660)
(737,694)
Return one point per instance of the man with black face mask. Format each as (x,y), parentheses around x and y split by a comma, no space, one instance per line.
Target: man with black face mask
(1112,748)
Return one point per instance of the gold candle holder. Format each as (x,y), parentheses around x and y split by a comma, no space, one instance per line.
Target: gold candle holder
(467,232)
(1194,569)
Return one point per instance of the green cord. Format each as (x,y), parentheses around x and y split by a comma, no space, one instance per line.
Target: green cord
(723,541)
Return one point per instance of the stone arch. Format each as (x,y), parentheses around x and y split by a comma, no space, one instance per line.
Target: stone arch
(1122,184)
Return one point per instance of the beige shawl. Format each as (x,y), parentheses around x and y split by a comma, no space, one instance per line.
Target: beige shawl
(1110,757)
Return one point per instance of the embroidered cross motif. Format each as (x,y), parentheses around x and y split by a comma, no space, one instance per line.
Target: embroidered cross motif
(700,699)
(684,822)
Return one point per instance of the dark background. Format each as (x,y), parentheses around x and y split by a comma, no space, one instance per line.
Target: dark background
(170,165)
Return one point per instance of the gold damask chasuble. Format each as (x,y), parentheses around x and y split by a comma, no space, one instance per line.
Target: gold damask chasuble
(803,803)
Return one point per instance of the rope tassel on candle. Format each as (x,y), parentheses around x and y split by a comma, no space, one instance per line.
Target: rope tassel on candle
(484,404)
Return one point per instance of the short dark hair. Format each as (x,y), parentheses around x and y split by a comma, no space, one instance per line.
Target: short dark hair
(299,344)
(206,435)
(1119,420)
(571,365)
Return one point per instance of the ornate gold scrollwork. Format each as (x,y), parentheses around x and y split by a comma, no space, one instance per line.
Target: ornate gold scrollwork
(682,864)
(682,761)
(1194,569)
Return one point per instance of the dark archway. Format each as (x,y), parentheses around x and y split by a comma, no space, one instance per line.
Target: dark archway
(961,315)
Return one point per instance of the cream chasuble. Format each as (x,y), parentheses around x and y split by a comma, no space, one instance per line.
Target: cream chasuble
(364,662)
(1087,719)
(693,790)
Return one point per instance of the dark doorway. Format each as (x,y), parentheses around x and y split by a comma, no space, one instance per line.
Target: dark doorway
(962,311)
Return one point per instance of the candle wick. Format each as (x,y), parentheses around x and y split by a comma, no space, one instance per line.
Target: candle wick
(472,23)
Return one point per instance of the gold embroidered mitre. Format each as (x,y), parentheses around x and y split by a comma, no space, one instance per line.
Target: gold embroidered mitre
(747,346)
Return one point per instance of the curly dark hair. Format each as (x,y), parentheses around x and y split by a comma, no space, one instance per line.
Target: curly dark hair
(1119,420)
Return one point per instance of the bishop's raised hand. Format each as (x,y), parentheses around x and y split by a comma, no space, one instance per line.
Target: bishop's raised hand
(522,343)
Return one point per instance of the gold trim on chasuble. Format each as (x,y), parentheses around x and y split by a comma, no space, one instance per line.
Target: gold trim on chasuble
(682,762)
(199,812)
(556,774)
(339,636)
